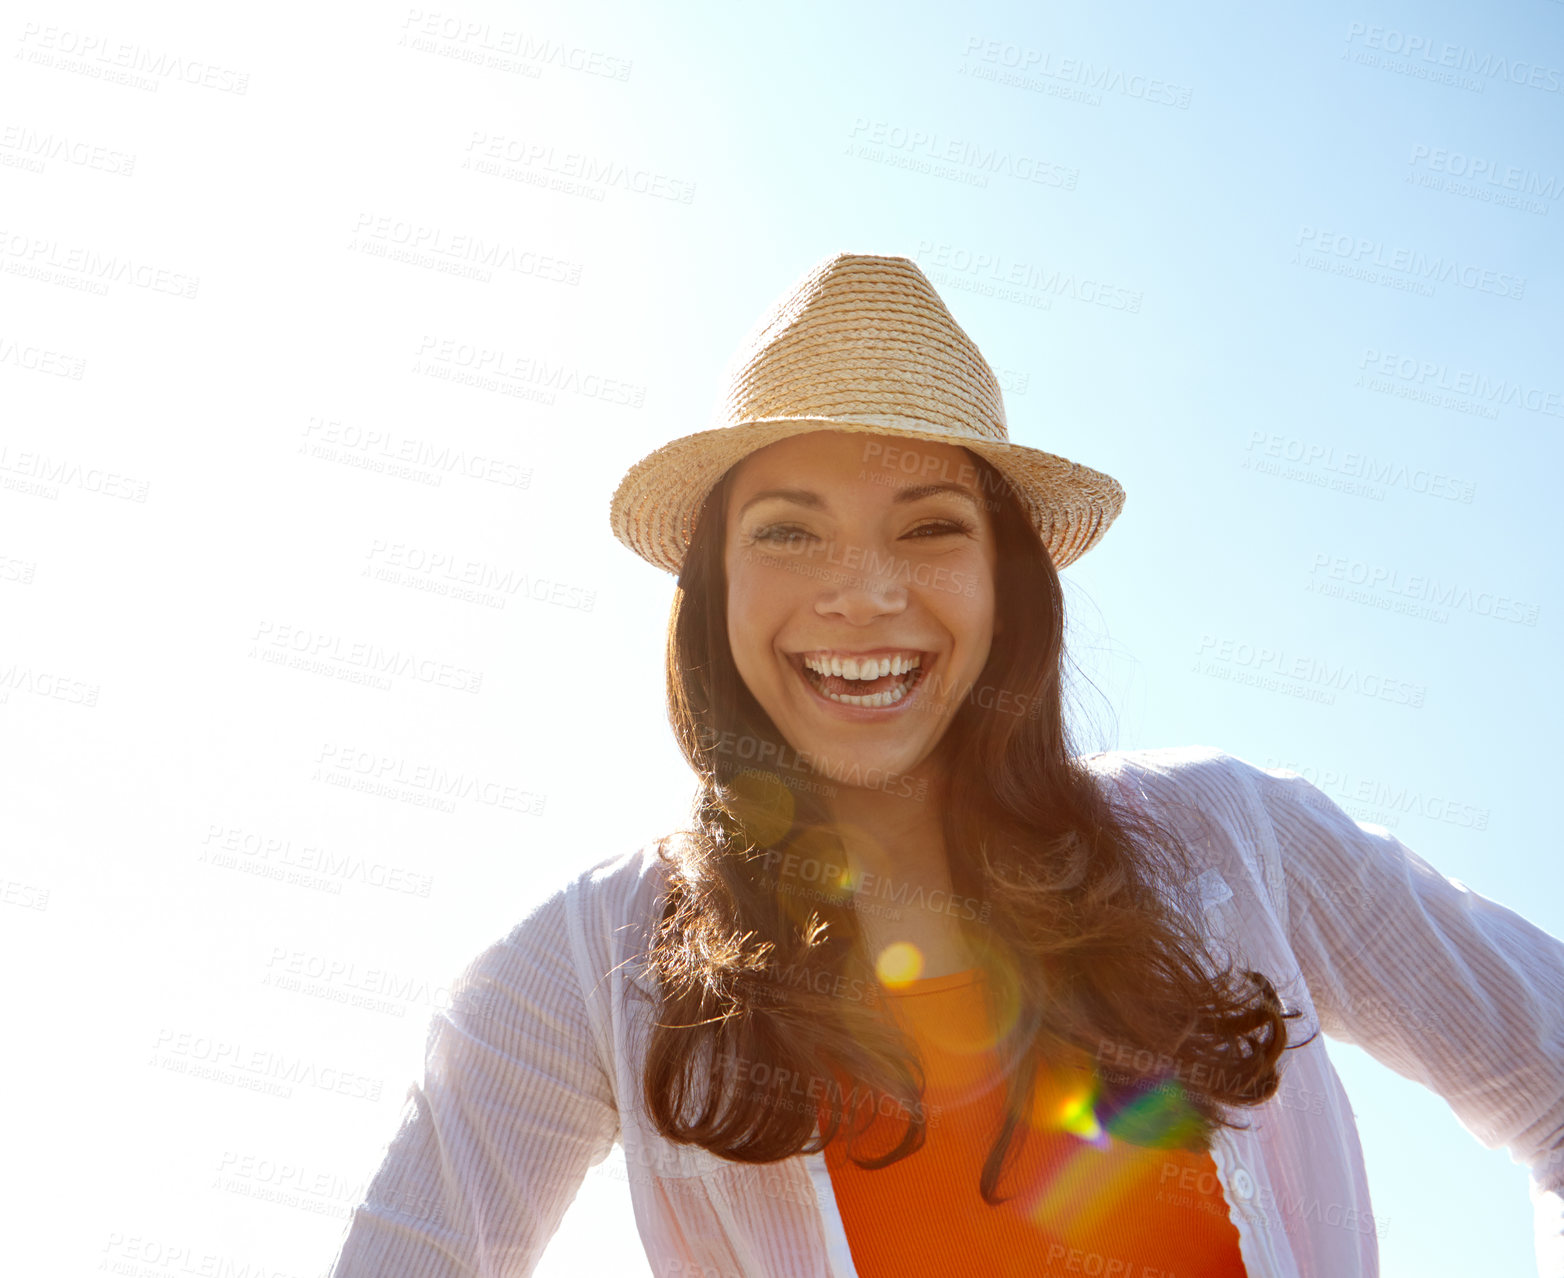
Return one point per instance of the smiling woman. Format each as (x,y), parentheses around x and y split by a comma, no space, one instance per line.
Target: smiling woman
(921,989)
(818,580)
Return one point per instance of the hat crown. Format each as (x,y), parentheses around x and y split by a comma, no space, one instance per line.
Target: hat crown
(865,337)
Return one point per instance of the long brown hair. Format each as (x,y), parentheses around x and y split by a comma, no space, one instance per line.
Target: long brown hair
(762,988)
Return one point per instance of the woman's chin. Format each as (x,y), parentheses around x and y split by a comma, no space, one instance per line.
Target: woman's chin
(866,771)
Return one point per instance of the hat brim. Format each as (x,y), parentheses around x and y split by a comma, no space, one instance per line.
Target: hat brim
(655,506)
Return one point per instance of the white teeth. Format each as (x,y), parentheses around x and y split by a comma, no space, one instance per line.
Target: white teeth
(877,702)
(864,667)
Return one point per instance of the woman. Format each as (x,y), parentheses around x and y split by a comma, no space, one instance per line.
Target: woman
(921,991)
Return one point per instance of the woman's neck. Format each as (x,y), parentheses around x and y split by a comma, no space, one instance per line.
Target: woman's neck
(895,849)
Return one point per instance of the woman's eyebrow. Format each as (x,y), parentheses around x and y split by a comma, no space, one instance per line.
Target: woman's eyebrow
(804,497)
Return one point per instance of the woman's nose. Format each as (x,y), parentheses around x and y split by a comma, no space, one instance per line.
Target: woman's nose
(869,588)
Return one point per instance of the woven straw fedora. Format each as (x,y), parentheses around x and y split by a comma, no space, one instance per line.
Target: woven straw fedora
(859,343)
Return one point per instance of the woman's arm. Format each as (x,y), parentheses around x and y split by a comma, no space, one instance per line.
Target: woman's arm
(512,1108)
(1441,984)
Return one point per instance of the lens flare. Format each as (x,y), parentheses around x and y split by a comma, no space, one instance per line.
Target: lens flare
(899,964)
(1078,1116)
(763,804)
(1161,1118)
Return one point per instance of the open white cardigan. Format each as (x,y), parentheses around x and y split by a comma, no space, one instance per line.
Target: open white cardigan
(535,1072)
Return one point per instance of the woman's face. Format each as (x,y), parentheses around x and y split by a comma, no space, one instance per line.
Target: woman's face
(874,552)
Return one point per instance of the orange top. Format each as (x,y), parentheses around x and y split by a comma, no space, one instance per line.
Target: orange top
(1079,1200)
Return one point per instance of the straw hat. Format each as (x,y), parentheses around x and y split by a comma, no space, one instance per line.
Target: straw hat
(859,343)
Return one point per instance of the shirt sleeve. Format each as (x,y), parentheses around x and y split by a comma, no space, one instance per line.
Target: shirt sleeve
(511,1109)
(1439,983)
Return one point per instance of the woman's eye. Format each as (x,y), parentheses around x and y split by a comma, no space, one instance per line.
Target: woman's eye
(780,535)
(941,528)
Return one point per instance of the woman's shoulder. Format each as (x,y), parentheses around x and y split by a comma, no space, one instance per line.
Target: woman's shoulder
(1197,784)
(1214,800)
(1190,764)
(621,886)
(611,898)
(588,923)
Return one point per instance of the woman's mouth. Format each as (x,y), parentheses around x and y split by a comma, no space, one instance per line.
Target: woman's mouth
(860,683)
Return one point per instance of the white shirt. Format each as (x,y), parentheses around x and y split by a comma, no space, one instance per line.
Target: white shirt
(535,1071)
